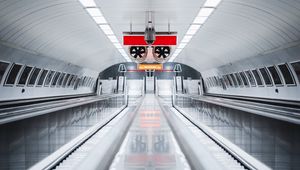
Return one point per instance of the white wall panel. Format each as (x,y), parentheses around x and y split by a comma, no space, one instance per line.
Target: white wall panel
(108,86)
(135,87)
(164,87)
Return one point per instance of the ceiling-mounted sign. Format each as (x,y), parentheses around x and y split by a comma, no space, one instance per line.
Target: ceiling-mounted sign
(150,66)
(140,40)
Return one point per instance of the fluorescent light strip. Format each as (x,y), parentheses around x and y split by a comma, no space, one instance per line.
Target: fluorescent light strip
(92,9)
(118,45)
(186,38)
(106,29)
(205,11)
(193,29)
(112,38)
(178,50)
(94,12)
(88,3)
(123,53)
(100,20)
(181,45)
(200,20)
(212,3)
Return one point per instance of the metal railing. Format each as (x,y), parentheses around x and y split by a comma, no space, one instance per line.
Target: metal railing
(75,116)
(117,122)
(21,112)
(190,107)
(202,103)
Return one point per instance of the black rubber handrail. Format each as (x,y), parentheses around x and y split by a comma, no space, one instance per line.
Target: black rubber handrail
(284,103)
(22,102)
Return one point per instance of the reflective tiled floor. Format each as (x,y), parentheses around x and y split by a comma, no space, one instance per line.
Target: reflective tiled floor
(149,143)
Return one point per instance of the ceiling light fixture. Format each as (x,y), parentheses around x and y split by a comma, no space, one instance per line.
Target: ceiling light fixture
(182,45)
(106,29)
(193,29)
(118,45)
(186,38)
(96,14)
(112,38)
(212,3)
(199,20)
(205,11)
(100,20)
(88,3)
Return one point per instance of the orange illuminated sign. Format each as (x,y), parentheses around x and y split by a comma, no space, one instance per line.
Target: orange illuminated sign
(150,67)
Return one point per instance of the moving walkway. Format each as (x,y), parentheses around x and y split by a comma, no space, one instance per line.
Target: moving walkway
(150,134)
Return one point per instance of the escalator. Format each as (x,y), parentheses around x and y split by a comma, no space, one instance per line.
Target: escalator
(149,134)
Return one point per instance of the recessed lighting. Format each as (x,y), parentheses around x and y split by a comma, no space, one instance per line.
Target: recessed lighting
(100,20)
(212,3)
(207,9)
(112,38)
(121,50)
(175,54)
(182,45)
(205,12)
(186,38)
(94,12)
(118,45)
(200,20)
(178,50)
(172,58)
(191,32)
(88,3)
(106,29)
(123,53)
(193,29)
(195,26)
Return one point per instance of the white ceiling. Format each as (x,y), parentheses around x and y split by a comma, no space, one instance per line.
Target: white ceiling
(243,28)
(62,29)
(57,28)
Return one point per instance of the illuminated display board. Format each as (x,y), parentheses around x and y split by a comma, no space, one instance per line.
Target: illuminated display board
(150,66)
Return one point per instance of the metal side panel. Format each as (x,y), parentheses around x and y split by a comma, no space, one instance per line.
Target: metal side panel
(104,151)
(53,159)
(248,160)
(198,156)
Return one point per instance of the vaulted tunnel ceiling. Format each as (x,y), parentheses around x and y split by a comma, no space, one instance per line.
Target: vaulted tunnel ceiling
(237,29)
(241,29)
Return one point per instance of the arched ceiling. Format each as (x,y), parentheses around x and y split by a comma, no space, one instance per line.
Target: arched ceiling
(56,28)
(241,29)
(237,29)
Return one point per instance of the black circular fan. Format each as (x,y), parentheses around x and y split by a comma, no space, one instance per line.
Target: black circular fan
(160,53)
(138,52)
